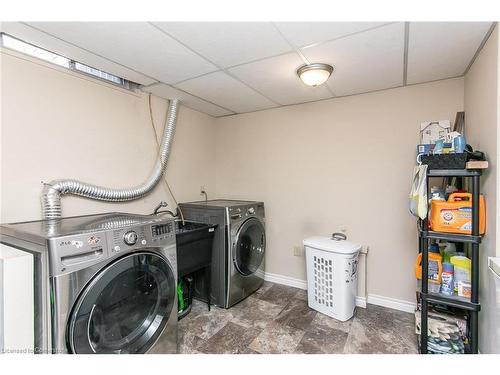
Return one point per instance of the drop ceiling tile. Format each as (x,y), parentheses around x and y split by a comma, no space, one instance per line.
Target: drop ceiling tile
(223,90)
(368,61)
(438,50)
(168,92)
(229,43)
(305,33)
(276,78)
(50,43)
(138,45)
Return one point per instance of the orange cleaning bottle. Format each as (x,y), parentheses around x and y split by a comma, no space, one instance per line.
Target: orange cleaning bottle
(435,269)
(455,214)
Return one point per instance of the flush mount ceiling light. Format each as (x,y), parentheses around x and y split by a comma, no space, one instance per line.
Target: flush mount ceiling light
(314,74)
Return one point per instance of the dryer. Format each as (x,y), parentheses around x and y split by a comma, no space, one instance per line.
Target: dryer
(104,283)
(239,246)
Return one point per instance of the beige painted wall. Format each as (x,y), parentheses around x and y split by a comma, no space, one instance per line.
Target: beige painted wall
(59,124)
(344,162)
(481,111)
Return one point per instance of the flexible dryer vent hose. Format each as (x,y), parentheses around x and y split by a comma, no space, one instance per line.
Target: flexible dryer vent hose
(52,192)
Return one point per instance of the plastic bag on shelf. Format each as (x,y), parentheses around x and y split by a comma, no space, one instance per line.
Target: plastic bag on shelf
(446,333)
(418,193)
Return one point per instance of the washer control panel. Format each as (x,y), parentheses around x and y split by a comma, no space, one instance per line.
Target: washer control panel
(127,238)
(236,213)
(73,252)
(140,236)
(130,238)
(162,231)
(77,251)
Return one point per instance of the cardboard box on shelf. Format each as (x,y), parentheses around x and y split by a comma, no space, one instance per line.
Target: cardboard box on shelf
(432,131)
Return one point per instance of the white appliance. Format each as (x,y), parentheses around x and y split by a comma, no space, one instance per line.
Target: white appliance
(332,275)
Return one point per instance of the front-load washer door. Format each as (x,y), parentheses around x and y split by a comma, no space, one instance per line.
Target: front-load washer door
(249,247)
(125,307)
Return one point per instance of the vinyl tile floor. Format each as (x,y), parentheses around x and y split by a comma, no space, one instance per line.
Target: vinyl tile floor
(276,319)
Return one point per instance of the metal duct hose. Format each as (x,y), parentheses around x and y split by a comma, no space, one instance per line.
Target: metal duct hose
(51,194)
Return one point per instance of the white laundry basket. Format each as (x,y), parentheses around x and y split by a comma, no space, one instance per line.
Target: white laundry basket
(332,275)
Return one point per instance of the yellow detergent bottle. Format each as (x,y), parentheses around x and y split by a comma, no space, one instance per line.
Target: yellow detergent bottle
(462,270)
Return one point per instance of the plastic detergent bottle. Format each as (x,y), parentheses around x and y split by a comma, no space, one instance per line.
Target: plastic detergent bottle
(462,269)
(435,268)
(447,285)
(455,214)
(436,194)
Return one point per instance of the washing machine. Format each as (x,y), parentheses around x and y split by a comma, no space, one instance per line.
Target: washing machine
(103,283)
(239,246)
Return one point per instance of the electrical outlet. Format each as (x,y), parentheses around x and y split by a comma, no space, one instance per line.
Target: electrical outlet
(343,229)
(202,189)
(298,251)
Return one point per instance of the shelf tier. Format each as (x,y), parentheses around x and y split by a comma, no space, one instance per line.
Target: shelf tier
(454,301)
(451,236)
(454,172)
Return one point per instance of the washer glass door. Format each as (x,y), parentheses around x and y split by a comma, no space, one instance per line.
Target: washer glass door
(125,307)
(250,246)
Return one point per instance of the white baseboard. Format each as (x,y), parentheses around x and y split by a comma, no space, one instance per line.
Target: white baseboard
(285,280)
(392,303)
(373,299)
(361,302)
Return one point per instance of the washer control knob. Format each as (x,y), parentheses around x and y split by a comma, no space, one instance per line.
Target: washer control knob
(143,242)
(130,238)
(251,210)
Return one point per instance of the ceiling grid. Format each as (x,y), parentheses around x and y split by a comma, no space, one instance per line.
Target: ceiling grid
(405,58)
(223,68)
(212,62)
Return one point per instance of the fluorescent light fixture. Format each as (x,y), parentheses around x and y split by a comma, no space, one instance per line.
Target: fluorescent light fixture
(314,74)
(31,50)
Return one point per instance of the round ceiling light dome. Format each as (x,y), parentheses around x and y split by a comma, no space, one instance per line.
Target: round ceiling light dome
(314,74)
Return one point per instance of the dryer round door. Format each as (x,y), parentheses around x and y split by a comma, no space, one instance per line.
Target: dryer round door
(125,307)
(249,246)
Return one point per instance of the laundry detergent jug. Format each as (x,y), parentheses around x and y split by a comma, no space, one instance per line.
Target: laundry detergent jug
(435,266)
(455,214)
